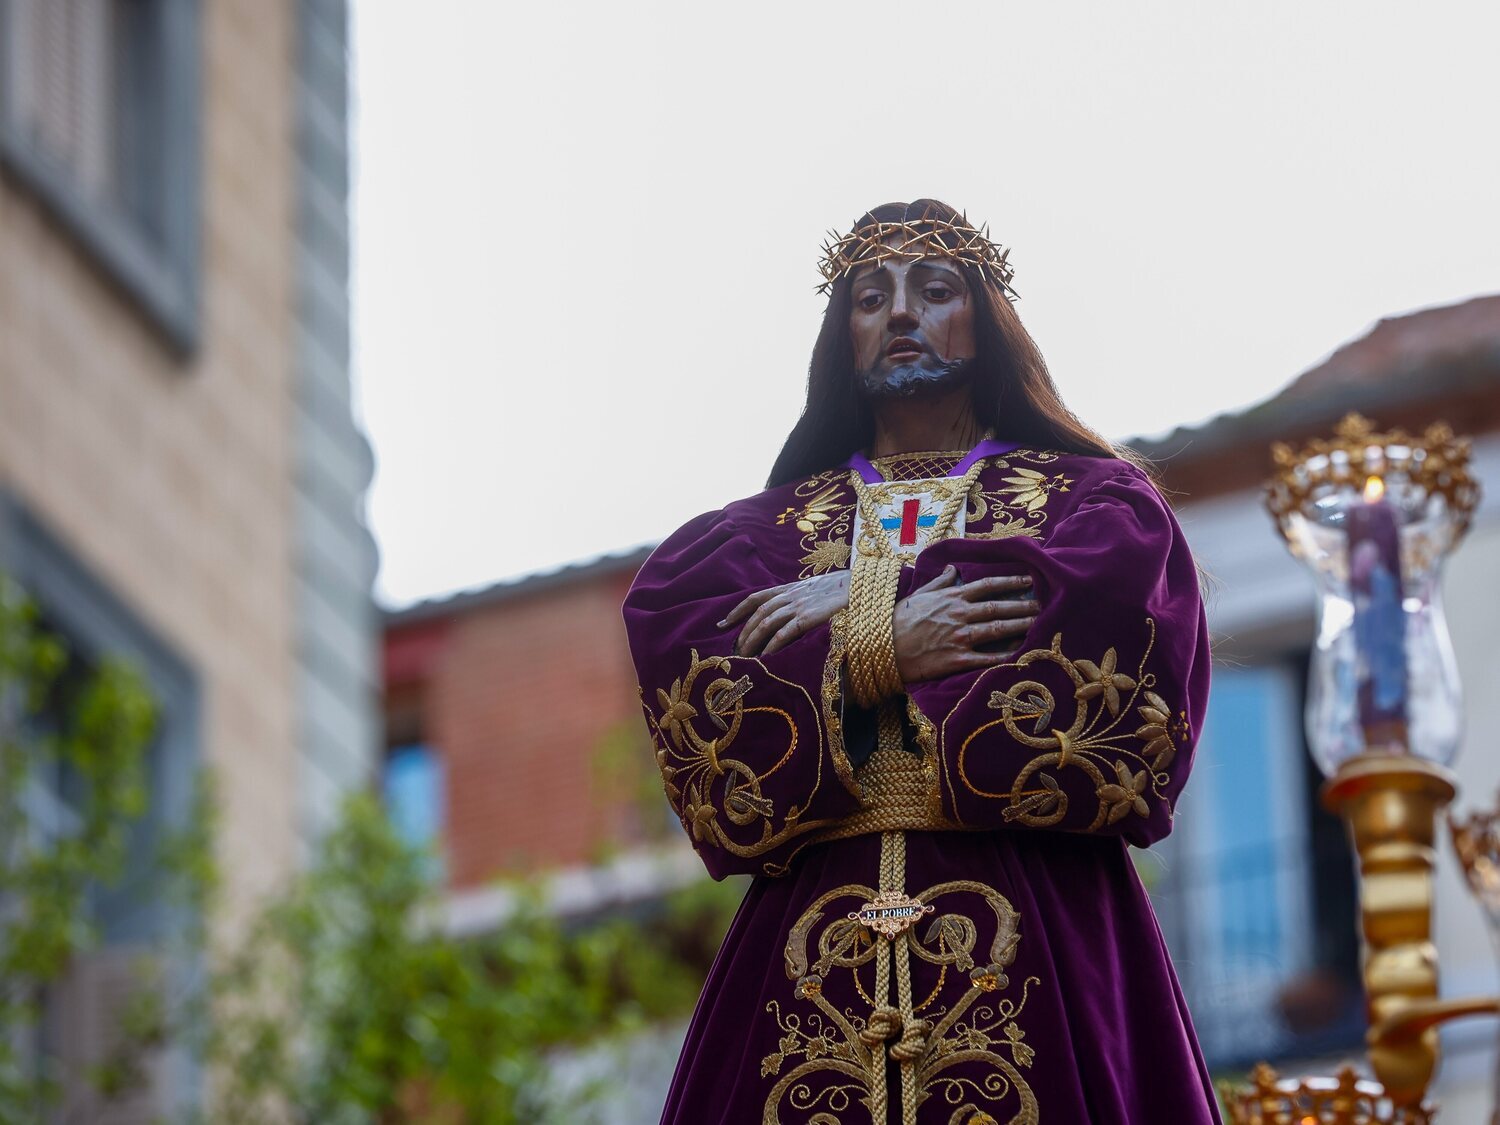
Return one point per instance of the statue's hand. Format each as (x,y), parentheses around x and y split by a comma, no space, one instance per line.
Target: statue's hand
(778,616)
(940,628)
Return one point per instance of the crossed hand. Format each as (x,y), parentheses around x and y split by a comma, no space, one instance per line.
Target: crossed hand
(939,629)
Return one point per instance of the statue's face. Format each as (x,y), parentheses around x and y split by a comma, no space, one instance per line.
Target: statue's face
(912,324)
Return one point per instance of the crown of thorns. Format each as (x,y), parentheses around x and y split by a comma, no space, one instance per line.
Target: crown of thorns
(917,238)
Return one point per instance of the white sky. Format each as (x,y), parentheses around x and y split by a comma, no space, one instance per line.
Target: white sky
(586,233)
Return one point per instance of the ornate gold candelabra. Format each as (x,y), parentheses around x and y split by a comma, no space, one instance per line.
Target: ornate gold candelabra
(1477,842)
(1373,515)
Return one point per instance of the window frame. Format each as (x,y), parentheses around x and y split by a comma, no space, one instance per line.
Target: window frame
(1191,890)
(163,281)
(100,624)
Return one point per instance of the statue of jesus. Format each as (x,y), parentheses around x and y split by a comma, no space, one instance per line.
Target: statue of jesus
(927,688)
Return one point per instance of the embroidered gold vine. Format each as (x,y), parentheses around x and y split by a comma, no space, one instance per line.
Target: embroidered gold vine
(1127,763)
(702,781)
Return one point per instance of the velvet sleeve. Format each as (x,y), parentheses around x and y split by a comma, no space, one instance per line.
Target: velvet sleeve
(1091,726)
(750,749)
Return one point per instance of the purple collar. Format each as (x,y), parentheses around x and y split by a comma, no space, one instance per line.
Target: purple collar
(987,448)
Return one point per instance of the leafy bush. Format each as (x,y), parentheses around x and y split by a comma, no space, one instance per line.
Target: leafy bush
(341,999)
(59,719)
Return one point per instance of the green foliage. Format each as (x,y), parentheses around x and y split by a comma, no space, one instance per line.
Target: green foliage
(59,719)
(341,999)
(346,1002)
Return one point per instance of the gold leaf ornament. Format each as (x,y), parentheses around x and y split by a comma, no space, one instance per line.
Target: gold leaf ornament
(1030,489)
(1023,1052)
(830,555)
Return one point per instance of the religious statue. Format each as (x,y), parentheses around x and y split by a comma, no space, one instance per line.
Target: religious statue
(926,688)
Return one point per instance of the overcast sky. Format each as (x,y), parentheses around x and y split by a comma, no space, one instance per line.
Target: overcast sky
(586,234)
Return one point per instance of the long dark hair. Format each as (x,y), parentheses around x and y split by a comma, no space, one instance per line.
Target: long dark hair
(1014,394)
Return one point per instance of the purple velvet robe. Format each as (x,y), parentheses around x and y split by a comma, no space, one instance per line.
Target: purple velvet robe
(1040,972)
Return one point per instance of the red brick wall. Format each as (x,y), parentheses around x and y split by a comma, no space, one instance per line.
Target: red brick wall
(518,697)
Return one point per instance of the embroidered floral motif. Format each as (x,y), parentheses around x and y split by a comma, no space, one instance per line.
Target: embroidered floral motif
(1005,527)
(816,511)
(1030,488)
(824,516)
(827,1058)
(1019,505)
(1127,767)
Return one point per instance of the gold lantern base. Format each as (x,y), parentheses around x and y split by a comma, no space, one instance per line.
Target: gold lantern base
(1344,1100)
(1391,803)
(1390,798)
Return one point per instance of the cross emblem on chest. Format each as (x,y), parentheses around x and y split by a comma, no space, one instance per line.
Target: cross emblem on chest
(911,518)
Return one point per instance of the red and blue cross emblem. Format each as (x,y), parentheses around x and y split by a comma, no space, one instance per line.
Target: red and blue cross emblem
(911,518)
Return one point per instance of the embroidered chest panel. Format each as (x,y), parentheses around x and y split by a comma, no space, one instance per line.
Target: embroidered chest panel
(907,515)
(1011,497)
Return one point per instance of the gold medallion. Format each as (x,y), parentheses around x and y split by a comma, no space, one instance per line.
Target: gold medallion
(890,913)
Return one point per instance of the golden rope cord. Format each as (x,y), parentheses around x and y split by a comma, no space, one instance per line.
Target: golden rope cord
(871,655)
(886,1021)
(874,575)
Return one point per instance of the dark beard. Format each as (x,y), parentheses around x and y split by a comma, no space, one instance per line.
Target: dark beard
(915,380)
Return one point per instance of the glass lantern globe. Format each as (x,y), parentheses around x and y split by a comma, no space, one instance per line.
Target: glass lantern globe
(1322,499)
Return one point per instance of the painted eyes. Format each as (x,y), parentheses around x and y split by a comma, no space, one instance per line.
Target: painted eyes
(936,294)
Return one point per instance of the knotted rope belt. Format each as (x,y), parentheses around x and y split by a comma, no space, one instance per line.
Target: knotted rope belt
(897,1022)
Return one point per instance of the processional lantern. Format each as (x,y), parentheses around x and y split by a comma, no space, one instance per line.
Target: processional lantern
(1373,516)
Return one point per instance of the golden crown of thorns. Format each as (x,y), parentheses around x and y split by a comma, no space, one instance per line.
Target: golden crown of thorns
(917,238)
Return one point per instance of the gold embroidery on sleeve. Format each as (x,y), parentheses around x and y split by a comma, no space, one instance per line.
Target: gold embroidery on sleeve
(694,731)
(1127,766)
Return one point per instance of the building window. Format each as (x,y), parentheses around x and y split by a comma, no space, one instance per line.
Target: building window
(413,785)
(1256,893)
(99,119)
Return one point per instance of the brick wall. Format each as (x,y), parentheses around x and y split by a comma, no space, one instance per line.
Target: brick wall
(172,481)
(521,697)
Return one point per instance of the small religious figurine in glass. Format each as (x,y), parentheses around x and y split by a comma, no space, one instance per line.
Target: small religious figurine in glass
(926,688)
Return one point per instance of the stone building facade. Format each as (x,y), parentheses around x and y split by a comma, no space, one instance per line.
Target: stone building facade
(181,478)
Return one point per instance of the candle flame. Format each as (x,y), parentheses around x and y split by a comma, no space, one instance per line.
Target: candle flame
(1374,489)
